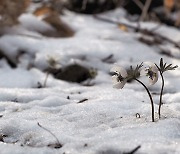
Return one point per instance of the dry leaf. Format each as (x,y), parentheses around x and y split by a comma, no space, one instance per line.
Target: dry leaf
(123,28)
(50,15)
(10,10)
(42,11)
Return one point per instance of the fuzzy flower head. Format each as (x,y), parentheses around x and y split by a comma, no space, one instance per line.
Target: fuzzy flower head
(151,71)
(53,61)
(119,76)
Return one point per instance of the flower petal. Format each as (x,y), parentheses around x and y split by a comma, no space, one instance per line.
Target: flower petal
(154,80)
(114,79)
(115,68)
(152,71)
(154,68)
(143,72)
(119,70)
(119,85)
(151,65)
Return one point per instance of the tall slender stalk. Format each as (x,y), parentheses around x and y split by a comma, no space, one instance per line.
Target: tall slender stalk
(161,93)
(152,104)
(160,100)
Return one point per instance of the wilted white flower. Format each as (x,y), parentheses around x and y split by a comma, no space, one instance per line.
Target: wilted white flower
(119,76)
(53,61)
(151,71)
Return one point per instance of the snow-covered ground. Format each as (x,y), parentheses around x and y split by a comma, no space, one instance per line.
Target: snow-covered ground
(106,122)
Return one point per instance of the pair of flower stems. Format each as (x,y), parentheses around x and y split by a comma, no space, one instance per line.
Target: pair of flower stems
(120,76)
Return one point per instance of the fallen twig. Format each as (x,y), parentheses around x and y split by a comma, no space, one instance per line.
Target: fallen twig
(133,151)
(58,144)
(83,100)
(108,59)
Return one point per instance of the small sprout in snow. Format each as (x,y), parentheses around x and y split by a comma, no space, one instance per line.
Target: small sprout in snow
(55,145)
(151,71)
(53,62)
(119,76)
(163,67)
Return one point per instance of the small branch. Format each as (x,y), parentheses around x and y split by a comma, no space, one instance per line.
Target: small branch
(108,58)
(145,10)
(83,100)
(59,145)
(152,104)
(139,4)
(133,151)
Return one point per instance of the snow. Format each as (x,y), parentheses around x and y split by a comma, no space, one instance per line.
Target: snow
(106,122)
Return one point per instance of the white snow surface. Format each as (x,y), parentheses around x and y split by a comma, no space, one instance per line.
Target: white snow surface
(106,122)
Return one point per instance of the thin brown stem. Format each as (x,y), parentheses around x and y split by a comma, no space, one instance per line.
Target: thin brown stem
(152,104)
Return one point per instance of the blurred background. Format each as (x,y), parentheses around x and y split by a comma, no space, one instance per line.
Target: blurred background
(162,11)
(22,18)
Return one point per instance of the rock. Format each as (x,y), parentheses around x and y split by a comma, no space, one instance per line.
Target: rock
(73,73)
(93,6)
(132,7)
